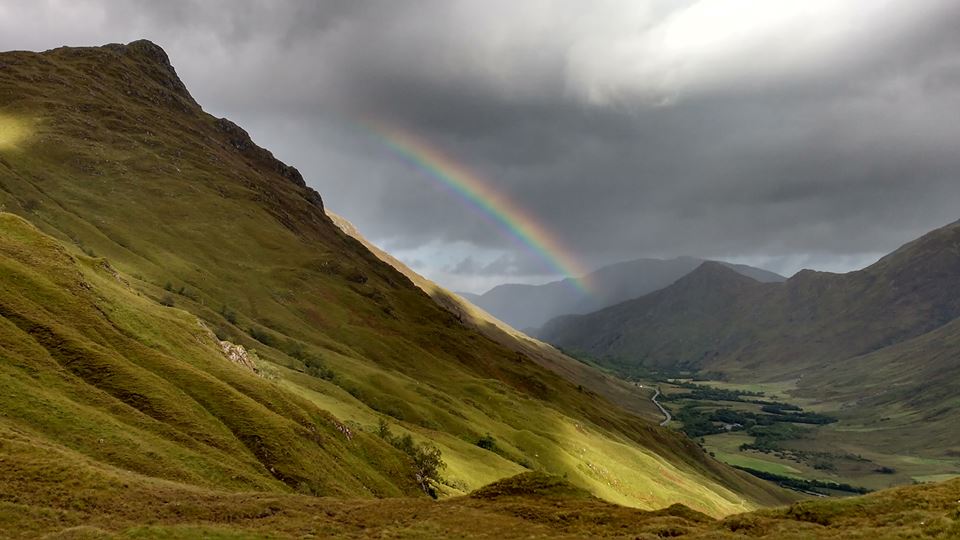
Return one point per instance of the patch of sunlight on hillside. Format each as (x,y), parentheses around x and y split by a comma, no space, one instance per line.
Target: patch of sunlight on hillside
(612,469)
(631,476)
(13,131)
(468,466)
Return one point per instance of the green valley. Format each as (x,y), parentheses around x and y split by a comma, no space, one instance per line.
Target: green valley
(872,351)
(768,431)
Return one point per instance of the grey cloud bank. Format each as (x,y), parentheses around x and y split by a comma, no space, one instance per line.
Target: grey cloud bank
(789,132)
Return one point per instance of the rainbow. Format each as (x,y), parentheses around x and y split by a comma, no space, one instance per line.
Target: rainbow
(483,196)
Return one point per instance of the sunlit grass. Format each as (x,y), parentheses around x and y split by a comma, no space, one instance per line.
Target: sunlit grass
(529,433)
(13,131)
(612,469)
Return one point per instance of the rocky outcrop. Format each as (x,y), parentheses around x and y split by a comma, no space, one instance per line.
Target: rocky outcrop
(240,141)
(239,355)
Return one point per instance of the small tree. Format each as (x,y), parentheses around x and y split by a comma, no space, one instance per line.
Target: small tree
(229,315)
(487,442)
(427,459)
(429,463)
(383,430)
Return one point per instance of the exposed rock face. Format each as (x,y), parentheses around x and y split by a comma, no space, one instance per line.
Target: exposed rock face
(343,428)
(240,140)
(238,355)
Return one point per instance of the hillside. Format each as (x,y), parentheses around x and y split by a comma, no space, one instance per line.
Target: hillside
(904,395)
(678,327)
(144,242)
(610,387)
(527,506)
(531,306)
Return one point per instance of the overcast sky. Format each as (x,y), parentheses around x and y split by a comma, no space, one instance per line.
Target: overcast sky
(789,134)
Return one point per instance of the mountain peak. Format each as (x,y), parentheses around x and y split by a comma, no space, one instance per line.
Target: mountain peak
(155,64)
(712,273)
(149,50)
(531,306)
(153,61)
(942,244)
(140,76)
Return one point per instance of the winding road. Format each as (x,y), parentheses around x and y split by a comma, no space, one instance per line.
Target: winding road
(666,414)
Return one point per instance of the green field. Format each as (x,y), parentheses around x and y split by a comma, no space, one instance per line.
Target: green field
(726,446)
(843,452)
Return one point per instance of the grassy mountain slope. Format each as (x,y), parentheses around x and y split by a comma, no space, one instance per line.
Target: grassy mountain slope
(93,366)
(173,222)
(613,388)
(530,306)
(905,395)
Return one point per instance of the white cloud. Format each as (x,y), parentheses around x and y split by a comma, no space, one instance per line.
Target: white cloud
(628,53)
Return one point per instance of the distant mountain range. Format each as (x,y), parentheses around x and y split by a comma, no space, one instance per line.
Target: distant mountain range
(528,307)
(730,322)
(884,340)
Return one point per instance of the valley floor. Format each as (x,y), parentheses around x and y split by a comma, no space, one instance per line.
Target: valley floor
(871,454)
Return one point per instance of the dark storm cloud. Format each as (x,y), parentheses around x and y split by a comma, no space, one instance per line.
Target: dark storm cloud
(783,131)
